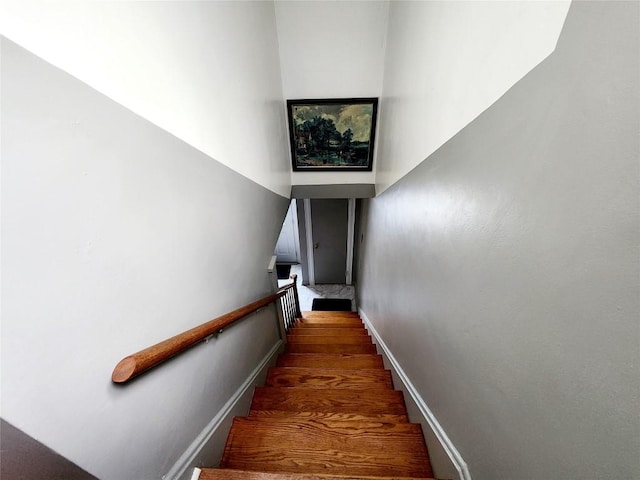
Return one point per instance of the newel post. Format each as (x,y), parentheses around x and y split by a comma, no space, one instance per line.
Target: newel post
(281,320)
(294,277)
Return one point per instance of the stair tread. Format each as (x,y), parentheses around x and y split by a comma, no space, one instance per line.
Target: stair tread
(328,324)
(327,446)
(329,377)
(329,348)
(232,474)
(301,330)
(330,360)
(329,400)
(333,322)
(352,417)
(329,313)
(331,319)
(340,339)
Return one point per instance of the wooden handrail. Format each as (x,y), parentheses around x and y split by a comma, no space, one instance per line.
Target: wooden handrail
(133,365)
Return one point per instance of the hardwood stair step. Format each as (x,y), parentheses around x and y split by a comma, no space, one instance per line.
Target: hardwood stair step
(349,361)
(327,331)
(328,378)
(302,323)
(330,339)
(327,447)
(232,474)
(327,313)
(329,400)
(354,417)
(333,320)
(329,348)
(325,317)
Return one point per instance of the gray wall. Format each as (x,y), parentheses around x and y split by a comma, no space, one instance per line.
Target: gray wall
(117,235)
(358,190)
(503,271)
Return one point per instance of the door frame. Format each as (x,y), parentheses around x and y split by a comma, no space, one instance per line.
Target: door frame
(293,233)
(351,222)
(309,234)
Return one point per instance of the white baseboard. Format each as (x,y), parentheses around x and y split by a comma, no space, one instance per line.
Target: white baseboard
(451,451)
(188,458)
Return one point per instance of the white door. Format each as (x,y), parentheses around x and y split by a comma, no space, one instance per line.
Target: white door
(288,246)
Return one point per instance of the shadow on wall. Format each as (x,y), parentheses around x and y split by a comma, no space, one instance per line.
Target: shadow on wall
(24,457)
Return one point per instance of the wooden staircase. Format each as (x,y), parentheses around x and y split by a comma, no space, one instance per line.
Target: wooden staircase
(328,411)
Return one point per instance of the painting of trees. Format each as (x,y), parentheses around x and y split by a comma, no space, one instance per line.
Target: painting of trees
(332,134)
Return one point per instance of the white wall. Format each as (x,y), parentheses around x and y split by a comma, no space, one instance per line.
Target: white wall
(503,272)
(207,72)
(332,50)
(117,235)
(446,62)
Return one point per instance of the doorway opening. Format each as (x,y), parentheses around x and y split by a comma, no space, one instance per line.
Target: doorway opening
(316,243)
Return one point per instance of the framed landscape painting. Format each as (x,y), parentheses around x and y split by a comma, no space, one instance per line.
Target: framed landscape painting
(332,135)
